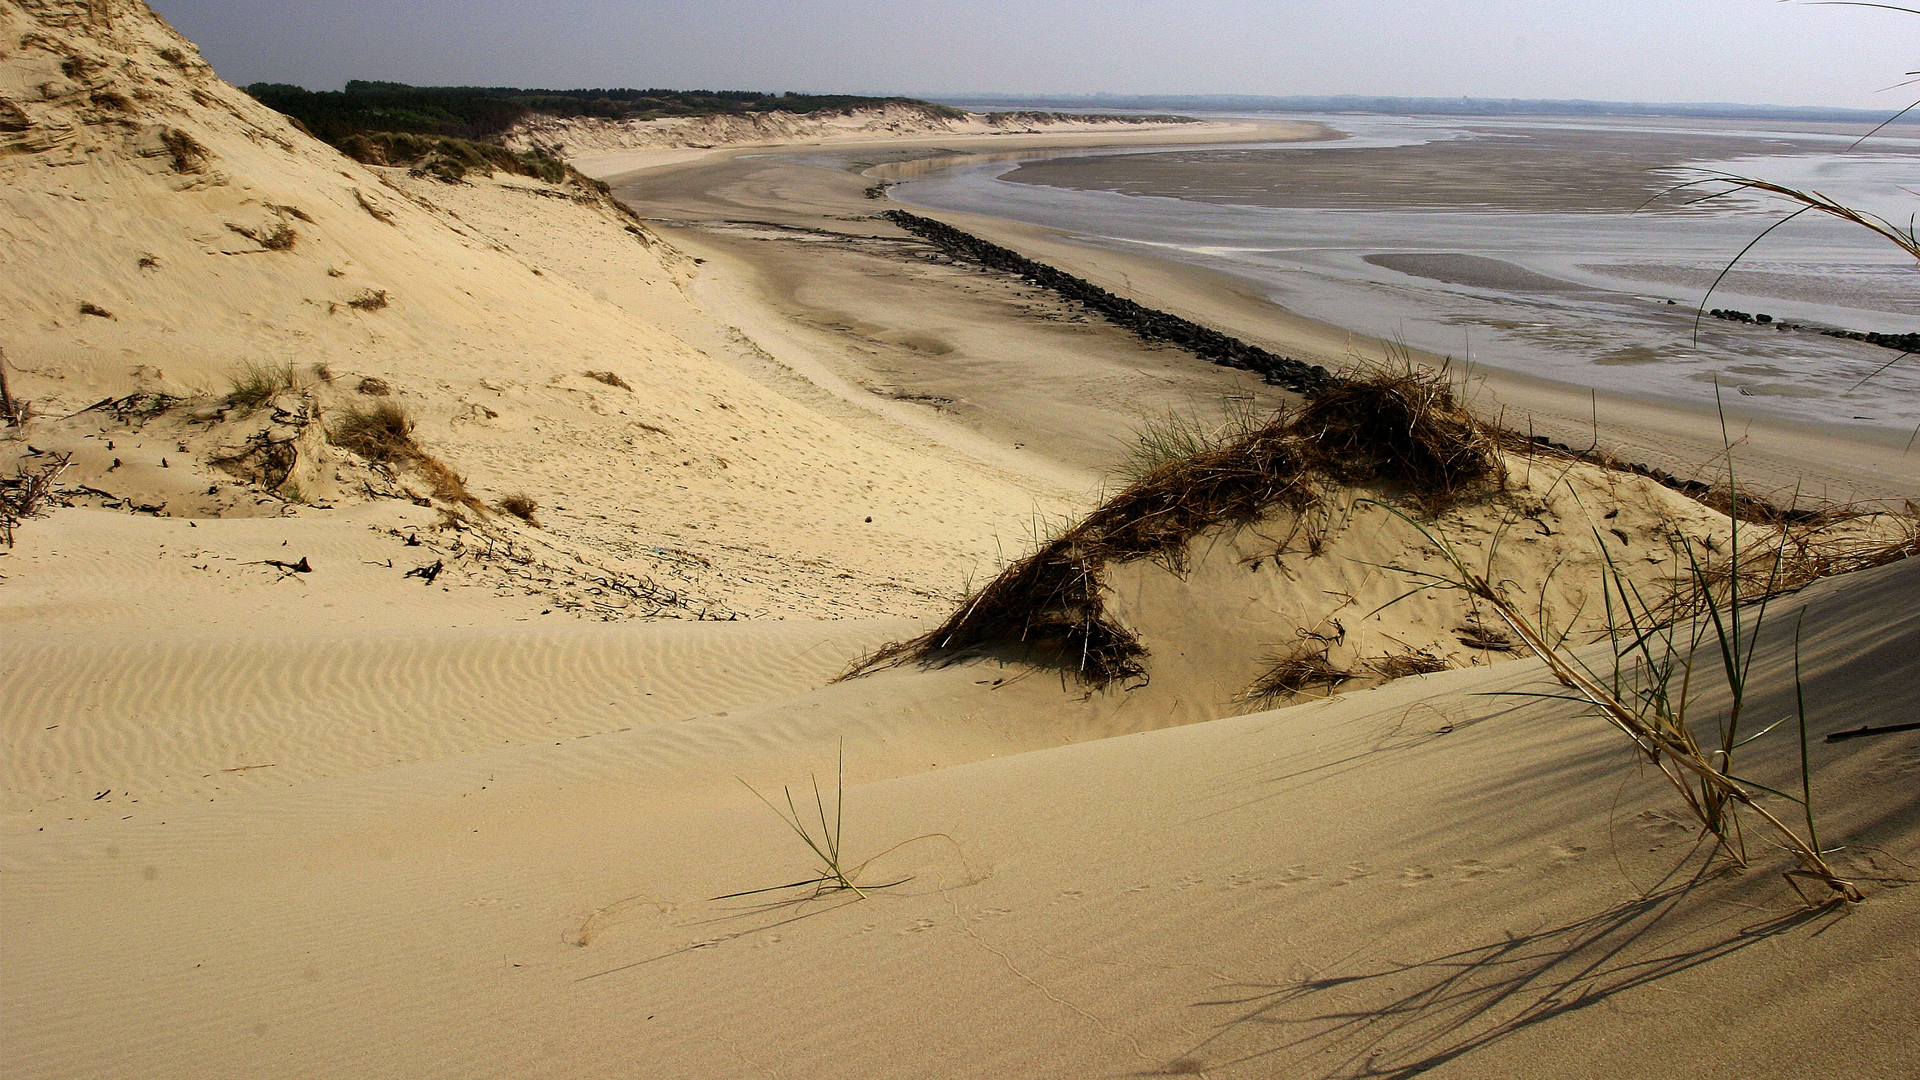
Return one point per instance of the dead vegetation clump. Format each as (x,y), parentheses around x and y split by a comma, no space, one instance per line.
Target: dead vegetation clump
(1818,545)
(88,307)
(1404,429)
(378,212)
(370,300)
(373,387)
(447,159)
(1293,672)
(111,101)
(609,379)
(520,505)
(383,434)
(188,155)
(1412,662)
(25,494)
(276,237)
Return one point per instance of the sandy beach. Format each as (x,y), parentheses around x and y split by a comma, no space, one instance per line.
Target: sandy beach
(1778,456)
(463,753)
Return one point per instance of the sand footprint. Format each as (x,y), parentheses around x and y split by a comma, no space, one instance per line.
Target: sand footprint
(920,926)
(1414,875)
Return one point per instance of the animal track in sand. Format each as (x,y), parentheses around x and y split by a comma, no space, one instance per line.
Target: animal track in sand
(1468,869)
(1565,851)
(1356,871)
(920,926)
(1294,875)
(1414,875)
(1894,765)
(1663,827)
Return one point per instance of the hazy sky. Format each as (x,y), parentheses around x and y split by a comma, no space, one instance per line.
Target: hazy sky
(1748,51)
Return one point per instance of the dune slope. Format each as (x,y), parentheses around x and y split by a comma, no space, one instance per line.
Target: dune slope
(166,234)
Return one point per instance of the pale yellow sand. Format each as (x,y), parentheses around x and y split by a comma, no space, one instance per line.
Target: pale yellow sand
(1417,874)
(349,823)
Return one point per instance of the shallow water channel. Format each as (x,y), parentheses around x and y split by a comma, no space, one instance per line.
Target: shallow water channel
(1524,245)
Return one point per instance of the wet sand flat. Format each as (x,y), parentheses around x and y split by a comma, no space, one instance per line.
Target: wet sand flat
(1549,171)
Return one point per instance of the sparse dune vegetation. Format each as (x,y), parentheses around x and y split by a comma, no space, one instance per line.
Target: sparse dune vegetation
(383,434)
(442,528)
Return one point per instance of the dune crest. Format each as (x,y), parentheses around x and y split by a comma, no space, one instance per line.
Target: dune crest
(429,569)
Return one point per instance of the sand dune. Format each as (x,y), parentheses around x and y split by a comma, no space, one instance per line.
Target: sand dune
(588,137)
(482,326)
(315,767)
(1331,890)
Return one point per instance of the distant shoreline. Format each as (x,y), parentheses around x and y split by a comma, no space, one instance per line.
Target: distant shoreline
(1430,106)
(764,184)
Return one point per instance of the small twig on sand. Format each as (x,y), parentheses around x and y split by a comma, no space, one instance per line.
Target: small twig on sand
(1885,729)
(429,572)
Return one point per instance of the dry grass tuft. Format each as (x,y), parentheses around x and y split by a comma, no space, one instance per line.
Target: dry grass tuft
(371,300)
(374,387)
(608,378)
(520,505)
(1293,672)
(111,101)
(1401,427)
(256,384)
(374,209)
(188,155)
(276,237)
(1411,662)
(1792,556)
(383,433)
(1175,436)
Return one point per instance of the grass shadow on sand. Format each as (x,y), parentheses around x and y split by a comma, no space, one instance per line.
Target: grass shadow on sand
(1405,1019)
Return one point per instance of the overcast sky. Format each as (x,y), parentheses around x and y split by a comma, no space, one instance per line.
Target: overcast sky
(1746,51)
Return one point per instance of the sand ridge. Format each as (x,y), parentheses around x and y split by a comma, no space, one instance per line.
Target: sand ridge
(356,821)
